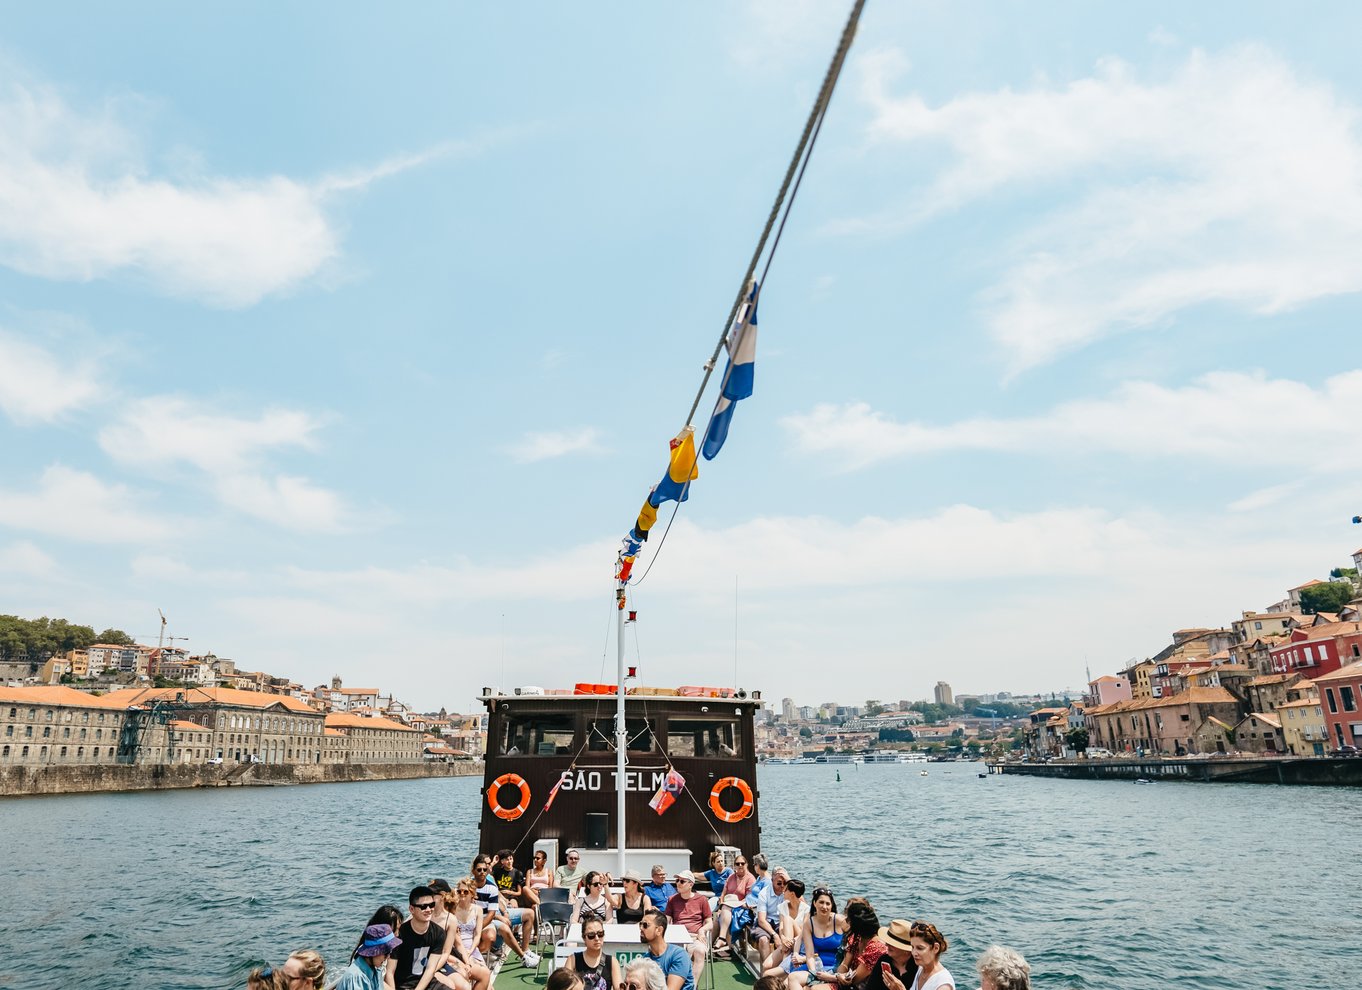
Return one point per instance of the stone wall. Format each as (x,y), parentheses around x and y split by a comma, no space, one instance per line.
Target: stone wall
(1318,771)
(16,781)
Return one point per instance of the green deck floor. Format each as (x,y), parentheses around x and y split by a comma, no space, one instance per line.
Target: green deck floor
(729,974)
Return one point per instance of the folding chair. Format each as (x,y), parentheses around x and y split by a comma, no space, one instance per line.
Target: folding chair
(553,920)
(555,895)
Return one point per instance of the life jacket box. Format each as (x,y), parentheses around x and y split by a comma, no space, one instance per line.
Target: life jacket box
(654,692)
(594,689)
(704,692)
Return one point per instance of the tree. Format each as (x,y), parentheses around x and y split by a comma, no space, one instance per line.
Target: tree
(805,732)
(873,707)
(1077,738)
(1328,596)
(1343,572)
(116,637)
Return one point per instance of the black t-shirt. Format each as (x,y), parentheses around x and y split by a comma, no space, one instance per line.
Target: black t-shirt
(507,879)
(593,977)
(415,952)
(875,981)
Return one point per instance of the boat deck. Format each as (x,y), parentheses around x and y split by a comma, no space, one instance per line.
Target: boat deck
(728,974)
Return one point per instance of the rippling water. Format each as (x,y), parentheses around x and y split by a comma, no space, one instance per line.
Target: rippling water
(1100,884)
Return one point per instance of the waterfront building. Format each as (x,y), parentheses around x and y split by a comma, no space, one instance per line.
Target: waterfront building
(1109,689)
(1340,693)
(1164,725)
(1303,727)
(1137,675)
(1259,732)
(1320,649)
(943,694)
(58,725)
(189,742)
(376,739)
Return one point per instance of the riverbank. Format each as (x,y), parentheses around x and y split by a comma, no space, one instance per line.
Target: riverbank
(29,781)
(1309,771)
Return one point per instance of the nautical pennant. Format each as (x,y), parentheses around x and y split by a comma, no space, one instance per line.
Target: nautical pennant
(738,375)
(675,484)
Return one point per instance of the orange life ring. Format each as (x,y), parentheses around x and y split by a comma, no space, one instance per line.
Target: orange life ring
(731,816)
(508,814)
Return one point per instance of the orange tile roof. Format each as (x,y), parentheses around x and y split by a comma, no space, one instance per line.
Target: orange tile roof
(346,720)
(57,694)
(1342,674)
(220,696)
(1308,584)
(179,723)
(1303,703)
(359,690)
(1267,717)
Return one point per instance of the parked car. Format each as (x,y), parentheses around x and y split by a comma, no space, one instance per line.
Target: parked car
(216,761)
(1099,753)
(1346,751)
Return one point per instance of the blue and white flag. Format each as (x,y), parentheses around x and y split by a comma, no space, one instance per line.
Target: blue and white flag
(738,375)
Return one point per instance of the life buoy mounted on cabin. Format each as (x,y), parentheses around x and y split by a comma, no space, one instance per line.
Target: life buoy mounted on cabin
(493,796)
(729,817)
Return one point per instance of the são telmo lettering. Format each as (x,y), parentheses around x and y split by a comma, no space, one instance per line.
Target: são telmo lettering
(642,781)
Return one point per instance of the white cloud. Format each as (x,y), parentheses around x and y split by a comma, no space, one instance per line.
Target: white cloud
(25,559)
(37,387)
(165,429)
(535,447)
(1232,179)
(1223,416)
(76,203)
(288,502)
(78,506)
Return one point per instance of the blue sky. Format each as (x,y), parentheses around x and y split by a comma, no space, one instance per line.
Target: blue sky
(353,339)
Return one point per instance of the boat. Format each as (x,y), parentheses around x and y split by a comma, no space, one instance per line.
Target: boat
(839,758)
(551,771)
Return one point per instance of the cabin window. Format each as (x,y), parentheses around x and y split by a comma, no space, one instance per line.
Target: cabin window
(703,737)
(537,735)
(639,732)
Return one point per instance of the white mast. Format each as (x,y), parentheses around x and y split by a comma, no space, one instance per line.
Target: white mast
(621,732)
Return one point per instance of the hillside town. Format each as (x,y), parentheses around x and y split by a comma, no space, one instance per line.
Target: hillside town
(1285,680)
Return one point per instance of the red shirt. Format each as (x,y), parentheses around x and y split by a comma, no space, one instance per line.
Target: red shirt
(739,885)
(689,912)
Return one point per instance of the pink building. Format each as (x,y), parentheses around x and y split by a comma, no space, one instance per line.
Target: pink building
(1109,689)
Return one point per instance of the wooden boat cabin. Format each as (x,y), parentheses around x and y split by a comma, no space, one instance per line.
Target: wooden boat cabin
(550,777)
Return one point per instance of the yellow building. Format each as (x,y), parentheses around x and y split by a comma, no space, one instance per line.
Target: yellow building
(376,740)
(1303,727)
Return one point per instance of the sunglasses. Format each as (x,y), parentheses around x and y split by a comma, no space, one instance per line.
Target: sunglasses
(594,935)
(631,985)
(740,862)
(427,906)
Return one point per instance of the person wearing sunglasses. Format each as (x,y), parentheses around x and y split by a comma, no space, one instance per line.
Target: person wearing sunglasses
(598,969)
(570,874)
(421,952)
(736,888)
(691,911)
(303,970)
(594,902)
(674,960)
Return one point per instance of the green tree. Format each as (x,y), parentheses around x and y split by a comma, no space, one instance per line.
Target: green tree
(1343,572)
(116,637)
(873,707)
(805,732)
(1077,738)
(1328,596)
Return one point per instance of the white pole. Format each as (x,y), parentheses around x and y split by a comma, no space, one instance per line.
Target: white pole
(621,732)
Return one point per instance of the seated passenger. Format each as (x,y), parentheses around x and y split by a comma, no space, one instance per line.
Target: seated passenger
(594,903)
(691,911)
(821,939)
(736,887)
(789,926)
(659,891)
(717,875)
(570,874)
(631,904)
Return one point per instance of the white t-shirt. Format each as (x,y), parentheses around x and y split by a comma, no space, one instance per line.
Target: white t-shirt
(799,919)
(941,978)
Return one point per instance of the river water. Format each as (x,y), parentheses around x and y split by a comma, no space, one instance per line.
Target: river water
(1100,884)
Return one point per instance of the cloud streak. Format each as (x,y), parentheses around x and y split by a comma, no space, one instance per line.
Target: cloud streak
(1223,417)
(535,447)
(75,505)
(1231,179)
(37,387)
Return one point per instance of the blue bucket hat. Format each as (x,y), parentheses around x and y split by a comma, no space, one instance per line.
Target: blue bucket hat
(379,940)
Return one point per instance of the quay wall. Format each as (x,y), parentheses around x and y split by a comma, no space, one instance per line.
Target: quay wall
(1312,771)
(20,781)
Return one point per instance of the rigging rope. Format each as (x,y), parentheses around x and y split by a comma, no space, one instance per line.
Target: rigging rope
(794,175)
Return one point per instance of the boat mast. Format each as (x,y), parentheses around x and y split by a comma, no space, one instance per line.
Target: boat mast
(621,732)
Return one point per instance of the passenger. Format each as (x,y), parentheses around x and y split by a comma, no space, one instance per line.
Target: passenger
(790,918)
(928,947)
(659,891)
(822,939)
(303,968)
(717,875)
(599,970)
(539,876)
(770,983)
(863,948)
(644,974)
(765,899)
(366,969)
(1003,969)
(388,914)
(497,922)
(467,919)
(570,875)
(264,978)
(421,953)
(632,903)
(691,911)
(594,902)
(511,883)
(461,969)
(896,968)
(737,886)
(563,979)
(673,960)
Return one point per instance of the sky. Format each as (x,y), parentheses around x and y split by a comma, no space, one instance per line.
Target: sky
(353,337)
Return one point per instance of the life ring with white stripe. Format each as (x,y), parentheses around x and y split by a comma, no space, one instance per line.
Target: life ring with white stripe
(511,780)
(731,816)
